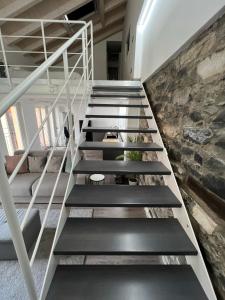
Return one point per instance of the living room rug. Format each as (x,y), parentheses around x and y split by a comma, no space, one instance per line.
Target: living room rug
(11,280)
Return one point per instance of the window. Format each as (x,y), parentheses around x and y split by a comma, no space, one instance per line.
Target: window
(82,11)
(44,134)
(11,130)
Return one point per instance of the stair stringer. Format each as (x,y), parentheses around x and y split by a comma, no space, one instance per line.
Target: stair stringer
(197,262)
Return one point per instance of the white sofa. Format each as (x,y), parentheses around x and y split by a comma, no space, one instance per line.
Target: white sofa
(24,185)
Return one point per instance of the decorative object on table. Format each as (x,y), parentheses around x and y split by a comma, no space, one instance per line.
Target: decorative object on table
(97,179)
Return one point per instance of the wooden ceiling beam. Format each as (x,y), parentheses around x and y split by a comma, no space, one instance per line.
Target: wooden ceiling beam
(99,36)
(37,45)
(101,10)
(12,8)
(47,9)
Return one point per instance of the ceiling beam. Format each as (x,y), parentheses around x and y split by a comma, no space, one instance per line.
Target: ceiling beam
(111,5)
(111,22)
(59,30)
(53,30)
(47,9)
(101,10)
(98,37)
(52,45)
(12,8)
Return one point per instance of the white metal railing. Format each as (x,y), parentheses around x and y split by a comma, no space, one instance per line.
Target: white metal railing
(75,90)
(36,47)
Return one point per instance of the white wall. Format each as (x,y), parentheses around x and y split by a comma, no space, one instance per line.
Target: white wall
(168,25)
(133,11)
(100,56)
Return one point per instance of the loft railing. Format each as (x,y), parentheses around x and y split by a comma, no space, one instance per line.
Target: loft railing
(36,47)
(71,91)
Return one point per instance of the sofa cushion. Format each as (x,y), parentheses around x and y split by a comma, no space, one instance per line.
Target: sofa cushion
(46,187)
(39,153)
(54,164)
(22,184)
(12,162)
(36,163)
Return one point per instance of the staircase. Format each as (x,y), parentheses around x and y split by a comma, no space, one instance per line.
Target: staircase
(127,236)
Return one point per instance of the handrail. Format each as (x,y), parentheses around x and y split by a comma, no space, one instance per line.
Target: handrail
(40,20)
(72,88)
(19,90)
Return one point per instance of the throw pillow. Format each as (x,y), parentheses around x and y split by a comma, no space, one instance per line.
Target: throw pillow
(54,164)
(36,163)
(12,161)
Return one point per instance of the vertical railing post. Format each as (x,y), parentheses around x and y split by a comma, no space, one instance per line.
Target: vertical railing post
(5,60)
(45,49)
(16,233)
(84,62)
(70,117)
(86,55)
(92,54)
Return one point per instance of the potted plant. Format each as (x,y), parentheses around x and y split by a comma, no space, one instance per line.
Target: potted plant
(132,155)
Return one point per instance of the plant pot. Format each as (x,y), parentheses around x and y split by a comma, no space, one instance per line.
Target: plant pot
(133,181)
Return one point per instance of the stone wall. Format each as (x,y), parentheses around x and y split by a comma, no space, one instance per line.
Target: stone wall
(188,98)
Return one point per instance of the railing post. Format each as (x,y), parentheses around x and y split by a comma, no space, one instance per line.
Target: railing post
(70,118)
(14,226)
(5,60)
(86,52)
(45,50)
(84,63)
(92,54)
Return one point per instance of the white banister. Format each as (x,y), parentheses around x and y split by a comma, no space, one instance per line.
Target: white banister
(14,226)
(19,90)
(70,90)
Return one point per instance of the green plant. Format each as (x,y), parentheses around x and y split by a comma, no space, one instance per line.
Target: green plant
(132,155)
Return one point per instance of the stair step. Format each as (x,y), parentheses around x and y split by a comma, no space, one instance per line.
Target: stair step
(117,95)
(123,88)
(117,105)
(121,167)
(120,146)
(117,236)
(89,116)
(122,196)
(128,130)
(125,282)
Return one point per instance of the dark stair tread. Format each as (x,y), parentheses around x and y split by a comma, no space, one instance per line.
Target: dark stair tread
(118,116)
(125,282)
(129,130)
(117,105)
(122,196)
(120,146)
(117,95)
(113,88)
(120,167)
(117,236)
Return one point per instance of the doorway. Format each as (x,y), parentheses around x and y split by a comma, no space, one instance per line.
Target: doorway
(113,60)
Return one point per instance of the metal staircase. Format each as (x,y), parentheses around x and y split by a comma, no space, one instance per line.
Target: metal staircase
(127,236)
(182,274)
